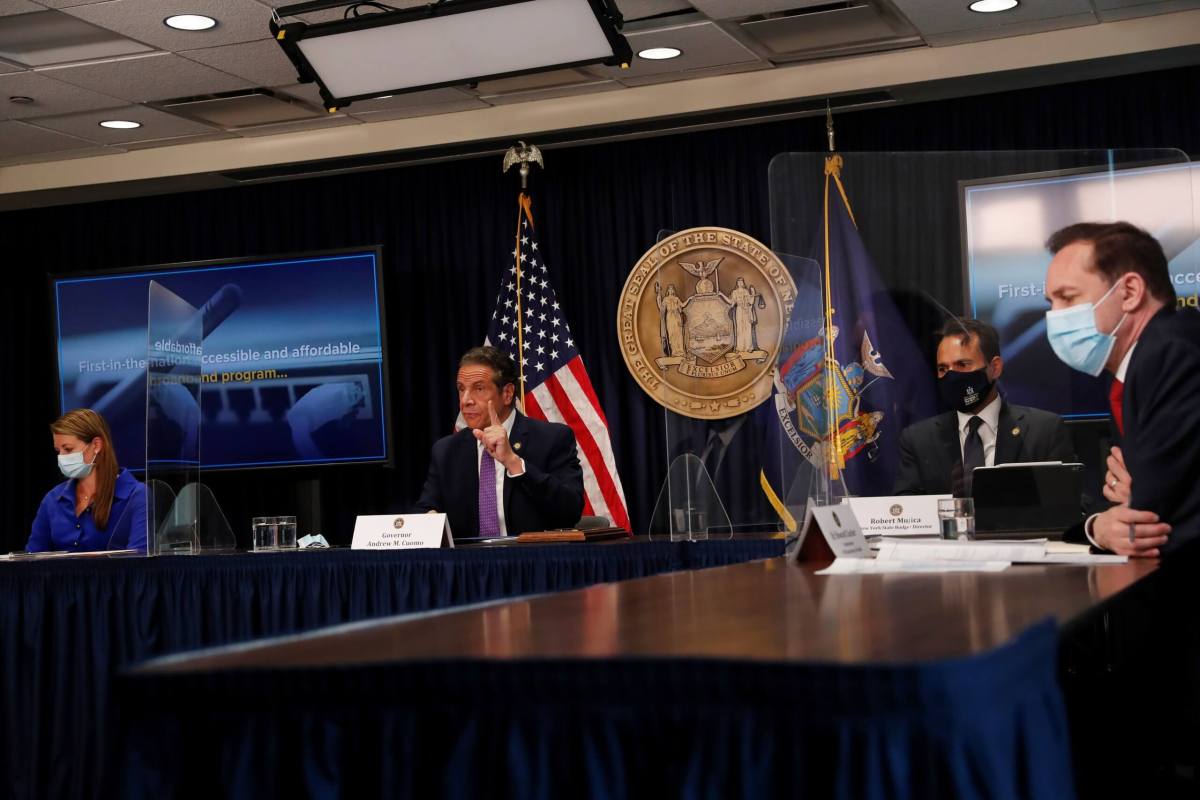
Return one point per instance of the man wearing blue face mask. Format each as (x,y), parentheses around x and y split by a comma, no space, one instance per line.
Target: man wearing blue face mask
(979,428)
(1113,307)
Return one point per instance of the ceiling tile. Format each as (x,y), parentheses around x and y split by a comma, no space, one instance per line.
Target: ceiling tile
(237,21)
(738,9)
(19,139)
(50,97)
(161,76)
(6,67)
(10,7)
(1014,29)
(555,91)
(308,92)
(155,125)
(51,37)
(1112,10)
(262,63)
(538,80)
(945,16)
(61,155)
(331,121)
(667,77)
(429,97)
(244,109)
(704,44)
(334,14)
(466,104)
(207,137)
(640,9)
(829,31)
(68,3)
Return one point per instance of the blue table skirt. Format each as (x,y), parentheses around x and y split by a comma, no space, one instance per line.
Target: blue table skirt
(991,726)
(67,626)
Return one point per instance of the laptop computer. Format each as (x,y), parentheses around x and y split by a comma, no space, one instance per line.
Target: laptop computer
(1027,501)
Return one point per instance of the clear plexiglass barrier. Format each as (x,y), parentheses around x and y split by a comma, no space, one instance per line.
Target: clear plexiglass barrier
(779,391)
(730,340)
(906,241)
(182,515)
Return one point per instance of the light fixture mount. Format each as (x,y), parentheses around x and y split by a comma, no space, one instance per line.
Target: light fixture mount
(448,43)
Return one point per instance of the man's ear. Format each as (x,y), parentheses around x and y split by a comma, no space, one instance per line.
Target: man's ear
(1132,291)
(507,394)
(997,366)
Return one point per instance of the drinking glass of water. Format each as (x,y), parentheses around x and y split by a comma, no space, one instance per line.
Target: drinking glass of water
(957,518)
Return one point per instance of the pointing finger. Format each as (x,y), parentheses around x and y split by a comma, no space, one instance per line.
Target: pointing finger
(492,413)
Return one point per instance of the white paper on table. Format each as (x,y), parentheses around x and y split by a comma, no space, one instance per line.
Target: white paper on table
(1067,547)
(869,566)
(1083,558)
(960,551)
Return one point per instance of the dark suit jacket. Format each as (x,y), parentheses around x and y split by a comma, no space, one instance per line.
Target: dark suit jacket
(931,457)
(549,495)
(1161,442)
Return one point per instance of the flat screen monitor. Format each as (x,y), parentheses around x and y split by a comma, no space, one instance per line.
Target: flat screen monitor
(1005,224)
(294,368)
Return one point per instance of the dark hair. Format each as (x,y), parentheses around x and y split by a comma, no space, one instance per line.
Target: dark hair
(1118,248)
(965,329)
(503,369)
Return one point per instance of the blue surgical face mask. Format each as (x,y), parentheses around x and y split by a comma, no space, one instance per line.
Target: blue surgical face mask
(1074,338)
(72,465)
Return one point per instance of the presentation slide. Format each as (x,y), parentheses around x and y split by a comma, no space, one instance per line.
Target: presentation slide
(293,368)
(1006,225)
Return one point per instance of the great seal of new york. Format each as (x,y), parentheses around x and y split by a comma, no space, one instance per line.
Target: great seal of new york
(700,321)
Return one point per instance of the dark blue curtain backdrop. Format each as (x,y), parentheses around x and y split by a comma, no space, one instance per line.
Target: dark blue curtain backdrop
(446,229)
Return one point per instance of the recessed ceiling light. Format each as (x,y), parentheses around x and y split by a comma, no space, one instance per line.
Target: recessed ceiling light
(660,53)
(120,124)
(190,22)
(20,99)
(992,6)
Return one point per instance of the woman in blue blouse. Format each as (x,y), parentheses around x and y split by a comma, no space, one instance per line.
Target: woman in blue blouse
(100,506)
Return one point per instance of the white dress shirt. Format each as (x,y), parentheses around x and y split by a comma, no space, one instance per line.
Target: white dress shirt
(500,473)
(1123,367)
(990,415)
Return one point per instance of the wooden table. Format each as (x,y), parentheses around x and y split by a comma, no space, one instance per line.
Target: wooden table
(763,610)
(751,639)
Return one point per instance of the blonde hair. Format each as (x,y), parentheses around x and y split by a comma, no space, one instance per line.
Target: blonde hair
(86,425)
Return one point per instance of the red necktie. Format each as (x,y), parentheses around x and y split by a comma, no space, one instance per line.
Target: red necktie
(1115,396)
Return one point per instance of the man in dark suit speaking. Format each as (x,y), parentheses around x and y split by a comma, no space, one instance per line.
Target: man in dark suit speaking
(938,455)
(504,473)
(1113,308)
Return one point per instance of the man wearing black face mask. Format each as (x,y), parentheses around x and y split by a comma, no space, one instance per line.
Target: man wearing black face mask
(938,455)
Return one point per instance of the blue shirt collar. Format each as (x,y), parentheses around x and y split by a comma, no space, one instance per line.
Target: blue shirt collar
(121,490)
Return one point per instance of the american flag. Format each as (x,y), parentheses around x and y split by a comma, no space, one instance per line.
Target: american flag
(528,320)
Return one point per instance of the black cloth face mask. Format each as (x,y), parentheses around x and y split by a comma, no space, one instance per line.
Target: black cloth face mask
(965,391)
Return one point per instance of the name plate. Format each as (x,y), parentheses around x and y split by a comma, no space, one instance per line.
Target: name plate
(401,532)
(828,532)
(910,515)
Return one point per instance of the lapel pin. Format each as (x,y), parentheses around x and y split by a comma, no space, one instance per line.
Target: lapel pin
(516,445)
(1016,431)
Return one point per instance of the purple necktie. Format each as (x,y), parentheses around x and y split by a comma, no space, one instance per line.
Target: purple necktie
(489,520)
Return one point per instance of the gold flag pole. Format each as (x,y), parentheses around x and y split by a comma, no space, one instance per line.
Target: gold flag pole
(833,163)
(522,154)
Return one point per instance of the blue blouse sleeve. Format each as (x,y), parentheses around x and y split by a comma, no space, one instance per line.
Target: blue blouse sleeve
(137,518)
(39,536)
